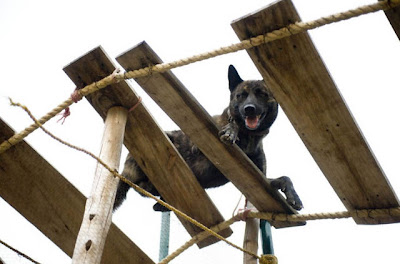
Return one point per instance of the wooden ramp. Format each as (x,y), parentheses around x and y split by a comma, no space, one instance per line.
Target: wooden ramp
(45,198)
(149,145)
(188,114)
(298,78)
(393,15)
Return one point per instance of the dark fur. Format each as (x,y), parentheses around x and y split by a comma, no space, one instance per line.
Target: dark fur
(251,112)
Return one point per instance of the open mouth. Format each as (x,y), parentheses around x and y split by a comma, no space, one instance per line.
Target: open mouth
(252,122)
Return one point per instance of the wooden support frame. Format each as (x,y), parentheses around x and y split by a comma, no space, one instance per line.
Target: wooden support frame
(189,115)
(250,241)
(154,152)
(46,199)
(298,78)
(99,205)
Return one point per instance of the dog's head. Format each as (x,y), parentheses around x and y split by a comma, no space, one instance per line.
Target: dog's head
(252,105)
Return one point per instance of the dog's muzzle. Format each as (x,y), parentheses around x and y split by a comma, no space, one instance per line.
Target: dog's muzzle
(252,120)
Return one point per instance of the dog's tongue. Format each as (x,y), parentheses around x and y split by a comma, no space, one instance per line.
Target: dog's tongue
(251,122)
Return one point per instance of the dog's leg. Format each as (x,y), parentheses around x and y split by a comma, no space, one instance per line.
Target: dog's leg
(285,184)
(134,174)
(229,133)
(159,207)
(120,197)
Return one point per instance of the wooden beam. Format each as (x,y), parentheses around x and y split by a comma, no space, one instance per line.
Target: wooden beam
(99,205)
(298,78)
(45,198)
(393,15)
(250,241)
(182,107)
(148,144)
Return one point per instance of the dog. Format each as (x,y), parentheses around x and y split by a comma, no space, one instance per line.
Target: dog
(246,121)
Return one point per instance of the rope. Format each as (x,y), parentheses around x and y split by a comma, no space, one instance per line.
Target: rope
(284,32)
(197,238)
(363,213)
(83,92)
(18,252)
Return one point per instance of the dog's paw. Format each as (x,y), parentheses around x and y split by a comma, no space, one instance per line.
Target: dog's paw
(285,184)
(160,208)
(293,199)
(228,134)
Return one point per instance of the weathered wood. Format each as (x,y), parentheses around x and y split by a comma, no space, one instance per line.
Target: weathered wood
(393,15)
(182,107)
(298,78)
(149,145)
(99,205)
(250,241)
(45,198)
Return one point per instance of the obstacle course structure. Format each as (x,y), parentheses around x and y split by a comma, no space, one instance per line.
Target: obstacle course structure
(300,82)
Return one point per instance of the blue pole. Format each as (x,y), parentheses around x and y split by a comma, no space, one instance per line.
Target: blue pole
(164,235)
(266,237)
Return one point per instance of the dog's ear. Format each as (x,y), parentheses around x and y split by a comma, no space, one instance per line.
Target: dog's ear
(234,78)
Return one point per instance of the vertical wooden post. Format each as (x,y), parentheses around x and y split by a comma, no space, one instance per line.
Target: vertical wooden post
(98,211)
(250,242)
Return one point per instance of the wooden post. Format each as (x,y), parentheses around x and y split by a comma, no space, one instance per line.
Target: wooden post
(98,211)
(250,242)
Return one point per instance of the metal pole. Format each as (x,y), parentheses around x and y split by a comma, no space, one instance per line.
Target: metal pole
(164,235)
(266,237)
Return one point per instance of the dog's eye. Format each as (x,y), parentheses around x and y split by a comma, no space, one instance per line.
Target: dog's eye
(241,95)
(261,93)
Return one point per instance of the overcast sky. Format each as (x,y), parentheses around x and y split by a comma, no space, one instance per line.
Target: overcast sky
(38,38)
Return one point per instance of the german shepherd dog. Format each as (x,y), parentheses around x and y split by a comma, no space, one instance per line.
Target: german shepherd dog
(251,112)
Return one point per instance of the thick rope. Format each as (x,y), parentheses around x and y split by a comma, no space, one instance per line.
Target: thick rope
(83,92)
(284,32)
(197,238)
(364,213)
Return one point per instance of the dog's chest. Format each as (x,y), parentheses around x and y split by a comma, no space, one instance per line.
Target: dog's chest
(249,144)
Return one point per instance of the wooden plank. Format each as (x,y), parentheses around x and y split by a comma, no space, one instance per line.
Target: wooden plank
(298,78)
(393,15)
(45,198)
(148,144)
(182,107)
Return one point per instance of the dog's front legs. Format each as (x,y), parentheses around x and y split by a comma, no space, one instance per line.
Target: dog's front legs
(285,184)
(229,133)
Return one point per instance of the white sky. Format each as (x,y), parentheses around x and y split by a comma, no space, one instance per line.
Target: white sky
(38,38)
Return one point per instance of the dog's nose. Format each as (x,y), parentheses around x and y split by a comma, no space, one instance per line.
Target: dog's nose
(249,109)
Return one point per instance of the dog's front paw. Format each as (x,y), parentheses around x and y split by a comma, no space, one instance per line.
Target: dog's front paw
(160,208)
(285,184)
(229,134)
(293,199)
